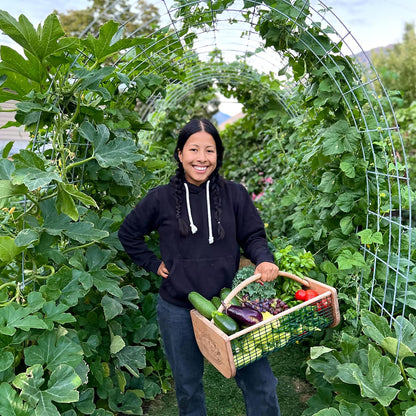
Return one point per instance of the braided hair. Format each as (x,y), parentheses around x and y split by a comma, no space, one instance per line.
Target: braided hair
(216,180)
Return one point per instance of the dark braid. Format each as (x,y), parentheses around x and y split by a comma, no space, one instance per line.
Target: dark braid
(177,180)
(217,184)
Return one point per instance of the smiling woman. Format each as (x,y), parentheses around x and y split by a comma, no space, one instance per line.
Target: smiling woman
(191,262)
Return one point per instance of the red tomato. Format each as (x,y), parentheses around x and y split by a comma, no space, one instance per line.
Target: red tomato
(300,294)
(310,294)
(322,304)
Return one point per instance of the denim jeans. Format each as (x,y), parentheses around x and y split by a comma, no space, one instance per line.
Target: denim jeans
(256,381)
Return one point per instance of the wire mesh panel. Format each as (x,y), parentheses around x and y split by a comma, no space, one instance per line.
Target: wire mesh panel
(279,333)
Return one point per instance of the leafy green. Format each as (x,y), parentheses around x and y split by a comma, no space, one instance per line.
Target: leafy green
(253,290)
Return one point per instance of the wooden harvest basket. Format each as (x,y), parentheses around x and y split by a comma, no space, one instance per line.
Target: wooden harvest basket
(227,353)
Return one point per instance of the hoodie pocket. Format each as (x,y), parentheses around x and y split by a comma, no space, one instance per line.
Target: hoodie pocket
(206,276)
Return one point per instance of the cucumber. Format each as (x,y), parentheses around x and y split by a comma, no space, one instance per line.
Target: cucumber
(225,291)
(204,306)
(216,301)
(225,323)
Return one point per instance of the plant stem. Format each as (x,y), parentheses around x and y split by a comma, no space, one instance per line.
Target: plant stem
(80,162)
(405,379)
(78,247)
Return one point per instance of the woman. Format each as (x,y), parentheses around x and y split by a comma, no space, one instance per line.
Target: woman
(203,221)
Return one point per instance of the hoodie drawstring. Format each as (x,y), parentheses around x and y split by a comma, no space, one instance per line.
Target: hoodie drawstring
(210,236)
(194,228)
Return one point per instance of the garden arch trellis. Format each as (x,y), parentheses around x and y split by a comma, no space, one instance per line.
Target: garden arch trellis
(205,28)
(230,27)
(85,110)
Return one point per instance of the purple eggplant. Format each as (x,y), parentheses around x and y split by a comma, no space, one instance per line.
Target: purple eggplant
(244,315)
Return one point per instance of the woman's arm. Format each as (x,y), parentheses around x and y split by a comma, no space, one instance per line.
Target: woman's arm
(141,221)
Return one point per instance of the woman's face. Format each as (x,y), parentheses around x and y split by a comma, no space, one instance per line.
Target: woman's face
(198,157)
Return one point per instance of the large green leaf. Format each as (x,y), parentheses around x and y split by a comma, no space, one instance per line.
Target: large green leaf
(8,249)
(78,195)
(111,307)
(11,404)
(109,41)
(53,222)
(392,346)
(369,237)
(97,258)
(52,350)
(6,361)
(61,388)
(104,283)
(375,384)
(6,169)
(406,330)
(374,326)
(328,412)
(62,384)
(90,79)
(340,138)
(347,260)
(346,201)
(55,313)
(26,237)
(65,204)
(34,178)
(329,182)
(84,231)
(13,317)
(132,358)
(29,68)
(40,43)
(109,152)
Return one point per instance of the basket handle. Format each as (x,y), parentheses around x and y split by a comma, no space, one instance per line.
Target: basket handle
(256,277)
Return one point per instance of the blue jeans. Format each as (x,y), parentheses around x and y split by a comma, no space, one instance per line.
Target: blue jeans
(256,381)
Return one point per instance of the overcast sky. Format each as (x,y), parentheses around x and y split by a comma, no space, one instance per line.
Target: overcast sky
(373,23)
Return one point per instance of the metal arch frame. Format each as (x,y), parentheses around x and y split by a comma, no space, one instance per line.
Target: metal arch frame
(366,86)
(382,131)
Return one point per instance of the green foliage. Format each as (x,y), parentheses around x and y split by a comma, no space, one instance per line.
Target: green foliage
(78,332)
(254,290)
(370,374)
(397,65)
(140,21)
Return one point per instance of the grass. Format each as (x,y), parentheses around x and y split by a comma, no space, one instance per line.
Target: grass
(224,398)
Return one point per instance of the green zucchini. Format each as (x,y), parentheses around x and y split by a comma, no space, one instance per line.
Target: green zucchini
(225,292)
(225,323)
(216,301)
(203,305)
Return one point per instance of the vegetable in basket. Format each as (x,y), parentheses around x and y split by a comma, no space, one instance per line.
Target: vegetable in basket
(204,306)
(245,315)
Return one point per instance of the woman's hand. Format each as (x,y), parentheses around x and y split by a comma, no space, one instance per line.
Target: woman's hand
(162,270)
(269,271)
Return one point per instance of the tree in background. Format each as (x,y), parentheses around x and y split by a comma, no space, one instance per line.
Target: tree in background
(397,66)
(139,17)
(397,69)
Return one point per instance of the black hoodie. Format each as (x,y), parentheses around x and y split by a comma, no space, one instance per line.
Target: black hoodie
(193,262)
